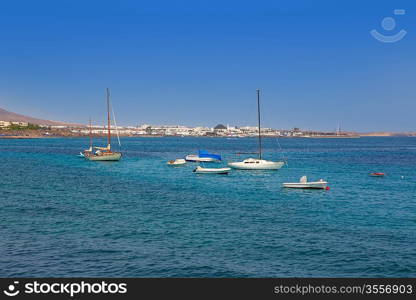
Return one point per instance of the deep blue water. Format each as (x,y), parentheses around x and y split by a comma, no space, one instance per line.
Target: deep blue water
(63,216)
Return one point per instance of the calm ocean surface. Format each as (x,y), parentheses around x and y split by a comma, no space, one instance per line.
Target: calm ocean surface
(64,216)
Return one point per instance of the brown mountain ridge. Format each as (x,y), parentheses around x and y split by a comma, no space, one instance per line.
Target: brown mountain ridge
(13,117)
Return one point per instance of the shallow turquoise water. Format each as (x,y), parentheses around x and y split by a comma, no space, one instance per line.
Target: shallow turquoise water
(64,216)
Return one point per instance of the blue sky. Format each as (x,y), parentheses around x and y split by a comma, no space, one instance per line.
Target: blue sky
(200,62)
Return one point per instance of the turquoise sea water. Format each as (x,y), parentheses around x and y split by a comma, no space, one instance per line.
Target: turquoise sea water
(64,216)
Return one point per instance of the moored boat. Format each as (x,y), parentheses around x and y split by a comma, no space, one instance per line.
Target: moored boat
(304,184)
(104,153)
(196,158)
(203,156)
(377,174)
(176,162)
(200,169)
(257,163)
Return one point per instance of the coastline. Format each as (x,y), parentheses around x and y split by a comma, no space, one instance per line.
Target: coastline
(70,133)
(18,137)
(32,133)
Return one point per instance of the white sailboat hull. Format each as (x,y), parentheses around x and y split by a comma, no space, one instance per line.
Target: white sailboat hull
(256,164)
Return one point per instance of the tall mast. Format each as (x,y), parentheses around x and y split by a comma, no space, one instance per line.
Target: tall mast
(90,134)
(108,116)
(258,116)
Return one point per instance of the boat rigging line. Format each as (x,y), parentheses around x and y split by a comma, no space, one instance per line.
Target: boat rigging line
(115,124)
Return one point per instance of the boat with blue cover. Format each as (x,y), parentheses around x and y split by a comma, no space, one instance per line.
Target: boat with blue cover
(203,156)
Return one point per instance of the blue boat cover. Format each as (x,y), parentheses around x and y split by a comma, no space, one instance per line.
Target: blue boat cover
(205,153)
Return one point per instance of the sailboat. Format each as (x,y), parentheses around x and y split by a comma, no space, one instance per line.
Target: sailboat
(257,163)
(105,153)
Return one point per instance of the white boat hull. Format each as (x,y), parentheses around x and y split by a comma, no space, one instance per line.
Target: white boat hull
(307,185)
(196,158)
(256,164)
(212,170)
(176,162)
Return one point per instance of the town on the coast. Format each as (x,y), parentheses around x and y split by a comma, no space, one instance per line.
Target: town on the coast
(17,128)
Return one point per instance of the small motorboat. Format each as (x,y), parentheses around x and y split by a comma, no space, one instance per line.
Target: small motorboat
(177,162)
(304,184)
(200,169)
(377,174)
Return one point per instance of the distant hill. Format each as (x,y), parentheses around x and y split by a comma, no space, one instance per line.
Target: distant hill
(388,134)
(10,116)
